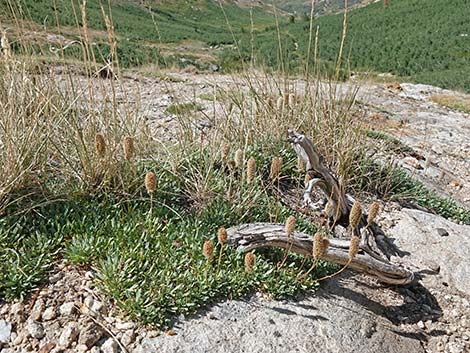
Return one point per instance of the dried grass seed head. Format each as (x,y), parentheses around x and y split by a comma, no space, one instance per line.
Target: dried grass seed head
(5,46)
(325,243)
(291,100)
(353,247)
(208,250)
(250,169)
(428,162)
(128,148)
(222,235)
(225,150)
(231,165)
(290,225)
(150,182)
(100,145)
(250,261)
(373,212)
(442,175)
(355,214)
(286,99)
(276,167)
(269,102)
(329,209)
(317,245)
(280,103)
(239,158)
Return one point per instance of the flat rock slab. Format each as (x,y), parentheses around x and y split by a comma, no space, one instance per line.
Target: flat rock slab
(435,243)
(328,321)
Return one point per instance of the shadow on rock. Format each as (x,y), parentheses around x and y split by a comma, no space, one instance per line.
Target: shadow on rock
(398,304)
(292,312)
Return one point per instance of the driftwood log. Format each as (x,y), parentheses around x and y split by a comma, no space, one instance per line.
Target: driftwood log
(375,250)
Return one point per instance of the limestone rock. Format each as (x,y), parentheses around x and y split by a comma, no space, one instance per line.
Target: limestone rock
(415,234)
(128,338)
(92,307)
(81,348)
(334,319)
(412,162)
(127,325)
(47,347)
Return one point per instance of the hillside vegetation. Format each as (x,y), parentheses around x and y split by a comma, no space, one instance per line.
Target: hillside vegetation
(425,41)
(87,179)
(140,29)
(321,6)
(422,41)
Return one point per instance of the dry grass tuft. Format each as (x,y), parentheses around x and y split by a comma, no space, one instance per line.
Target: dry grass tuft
(452,102)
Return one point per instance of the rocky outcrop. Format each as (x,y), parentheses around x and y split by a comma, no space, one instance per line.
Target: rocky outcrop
(334,319)
(348,314)
(352,313)
(436,246)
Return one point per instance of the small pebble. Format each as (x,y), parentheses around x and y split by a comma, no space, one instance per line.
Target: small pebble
(81,348)
(37,310)
(109,346)
(35,329)
(67,309)
(127,325)
(17,309)
(49,314)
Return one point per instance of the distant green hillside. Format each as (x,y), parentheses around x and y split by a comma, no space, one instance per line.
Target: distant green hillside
(424,40)
(141,28)
(321,6)
(172,21)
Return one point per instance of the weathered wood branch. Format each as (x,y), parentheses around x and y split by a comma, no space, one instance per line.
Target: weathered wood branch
(247,237)
(375,249)
(328,183)
(339,201)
